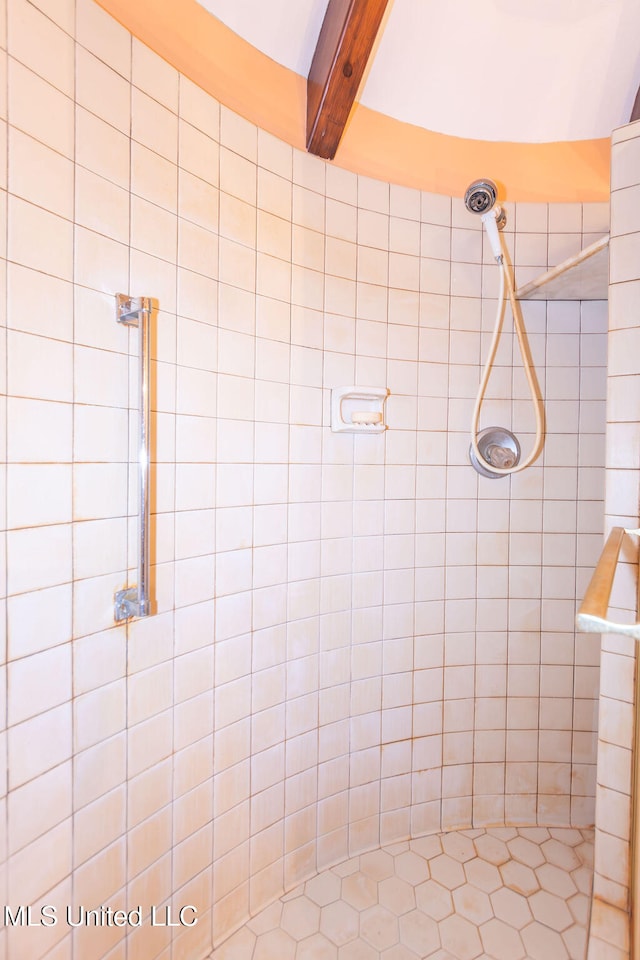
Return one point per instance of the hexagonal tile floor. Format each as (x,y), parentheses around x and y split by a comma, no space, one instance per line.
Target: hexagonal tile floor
(505,894)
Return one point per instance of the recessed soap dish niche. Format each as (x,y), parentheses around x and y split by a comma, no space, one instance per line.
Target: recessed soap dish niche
(358,409)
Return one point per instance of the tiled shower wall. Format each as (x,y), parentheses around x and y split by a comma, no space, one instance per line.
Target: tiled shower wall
(357,638)
(610,922)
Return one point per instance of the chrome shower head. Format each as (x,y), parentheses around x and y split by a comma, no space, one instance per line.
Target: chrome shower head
(481,196)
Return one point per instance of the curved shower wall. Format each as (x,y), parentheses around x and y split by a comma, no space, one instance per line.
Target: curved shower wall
(357,638)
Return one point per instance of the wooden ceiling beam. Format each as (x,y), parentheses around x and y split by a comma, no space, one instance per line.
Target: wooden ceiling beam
(345,43)
(635,113)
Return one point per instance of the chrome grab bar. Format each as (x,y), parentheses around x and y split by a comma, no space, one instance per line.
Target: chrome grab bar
(136,312)
(592,615)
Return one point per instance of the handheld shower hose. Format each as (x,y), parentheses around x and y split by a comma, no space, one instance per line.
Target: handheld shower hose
(490,220)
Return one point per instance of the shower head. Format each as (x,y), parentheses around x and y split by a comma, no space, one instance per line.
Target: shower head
(480,197)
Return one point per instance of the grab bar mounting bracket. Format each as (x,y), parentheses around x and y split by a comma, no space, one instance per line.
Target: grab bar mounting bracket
(127,604)
(129,308)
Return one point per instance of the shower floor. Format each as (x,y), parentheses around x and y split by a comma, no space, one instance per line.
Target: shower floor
(504,893)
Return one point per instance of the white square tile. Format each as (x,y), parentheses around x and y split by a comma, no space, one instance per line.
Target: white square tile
(40,109)
(102,91)
(39,239)
(103,36)
(38,43)
(101,206)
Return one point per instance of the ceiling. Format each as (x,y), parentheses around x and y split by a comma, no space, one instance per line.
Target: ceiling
(525,71)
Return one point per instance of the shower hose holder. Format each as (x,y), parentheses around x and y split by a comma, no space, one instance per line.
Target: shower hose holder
(498,448)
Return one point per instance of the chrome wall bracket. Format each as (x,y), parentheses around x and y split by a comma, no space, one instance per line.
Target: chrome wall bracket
(129,308)
(136,312)
(128,604)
